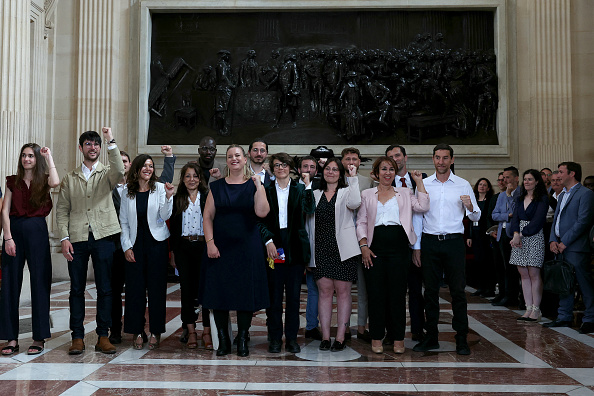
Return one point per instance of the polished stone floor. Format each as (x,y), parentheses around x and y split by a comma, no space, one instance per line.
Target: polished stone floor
(507,358)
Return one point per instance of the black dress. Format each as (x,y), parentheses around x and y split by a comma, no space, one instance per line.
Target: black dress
(327,256)
(237,279)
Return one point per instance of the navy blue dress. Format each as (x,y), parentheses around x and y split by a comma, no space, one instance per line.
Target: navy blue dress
(236,281)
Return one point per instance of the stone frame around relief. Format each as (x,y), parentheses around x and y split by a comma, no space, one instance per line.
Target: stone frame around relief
(146,7)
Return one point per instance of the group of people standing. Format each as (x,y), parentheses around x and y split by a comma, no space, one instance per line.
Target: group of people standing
(241,235)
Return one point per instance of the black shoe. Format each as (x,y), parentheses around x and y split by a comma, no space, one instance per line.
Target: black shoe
(325,345)
(586,328)
(274,346)
(243,336)
(314,334)
(248,338)
(426,345)
(224,343)
(115,338)
(292,346)
(489,293)
(558,323)
(497,298)
(365,336)
(184,336)
(418,337)
(337,346)
(462,347)
(478,293)
(388,340)
(347,334)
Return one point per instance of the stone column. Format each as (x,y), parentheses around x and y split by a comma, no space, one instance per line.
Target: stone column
(551,103)
(97,67)
(14,82)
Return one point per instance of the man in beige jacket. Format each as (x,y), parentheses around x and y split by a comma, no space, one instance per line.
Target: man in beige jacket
(87,222)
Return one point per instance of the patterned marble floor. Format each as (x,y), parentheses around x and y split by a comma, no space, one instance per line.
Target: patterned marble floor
(507,358)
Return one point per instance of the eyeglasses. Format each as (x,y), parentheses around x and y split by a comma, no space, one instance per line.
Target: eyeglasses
(280,165)
(256,151)
(92,144)
(332,169)
(204,148)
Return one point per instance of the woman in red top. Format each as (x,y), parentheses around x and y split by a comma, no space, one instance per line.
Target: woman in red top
(26,204)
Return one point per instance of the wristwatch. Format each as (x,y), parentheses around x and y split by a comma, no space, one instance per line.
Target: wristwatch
(112,141)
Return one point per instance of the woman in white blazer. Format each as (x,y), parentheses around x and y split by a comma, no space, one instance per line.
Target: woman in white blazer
(146,205)
(335,251)
(385,232)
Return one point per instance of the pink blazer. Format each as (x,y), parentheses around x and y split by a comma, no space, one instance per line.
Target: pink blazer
(407,203)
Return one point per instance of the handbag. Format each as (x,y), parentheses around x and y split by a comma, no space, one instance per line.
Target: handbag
(558,276)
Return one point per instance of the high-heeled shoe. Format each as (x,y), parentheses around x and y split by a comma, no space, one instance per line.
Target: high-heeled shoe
(399,347)
(242,343)
(154,345)
(535,310)
(138,342)
(224,343)
(526,315)
(192,341)
(207,339)
(377,349)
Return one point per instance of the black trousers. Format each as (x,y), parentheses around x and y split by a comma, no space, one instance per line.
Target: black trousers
(386,282)
(221,317)
(499,267)
(416,302)
(284,280)
(484,265)
(437,257)
(118,279)
(188,258)
(147,274)
(512,276)
(32,244)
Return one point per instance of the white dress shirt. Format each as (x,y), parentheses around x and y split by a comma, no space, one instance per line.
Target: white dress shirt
(88,172)
(447,210)
(562,205)
(282,196)
(388,213)
(406,176)
(192,218)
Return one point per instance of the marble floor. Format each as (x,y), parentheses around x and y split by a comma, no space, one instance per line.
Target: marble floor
(507,358)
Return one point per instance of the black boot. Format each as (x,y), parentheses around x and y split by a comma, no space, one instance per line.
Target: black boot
(224,343)
(242,343)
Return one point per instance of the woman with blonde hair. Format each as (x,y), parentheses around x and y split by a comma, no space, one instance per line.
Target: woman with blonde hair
(234,270)
(26,205)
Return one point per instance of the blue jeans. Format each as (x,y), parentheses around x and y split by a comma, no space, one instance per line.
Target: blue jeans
(581,263)
(101,251)
(311,309)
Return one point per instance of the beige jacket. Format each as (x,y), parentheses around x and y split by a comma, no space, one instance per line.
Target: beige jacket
(83,203)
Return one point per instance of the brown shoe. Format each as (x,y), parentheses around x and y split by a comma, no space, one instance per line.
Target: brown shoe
(103,345)
(77,347)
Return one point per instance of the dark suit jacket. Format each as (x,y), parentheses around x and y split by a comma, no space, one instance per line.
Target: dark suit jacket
(414,184)
(576,219)
(175,222)
(301,201)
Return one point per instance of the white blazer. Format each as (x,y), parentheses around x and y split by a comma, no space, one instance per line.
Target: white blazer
(158,211)
(347,200)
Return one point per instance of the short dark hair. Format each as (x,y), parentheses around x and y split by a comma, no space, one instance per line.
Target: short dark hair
(550,170)
(573,167)
(283,158)
(350,150)
(258,140)
(443,146)
(91,136)
(393,146)
(341,171)
(513,170)
(310,158)
(122,152)
(500,174)
(378,163)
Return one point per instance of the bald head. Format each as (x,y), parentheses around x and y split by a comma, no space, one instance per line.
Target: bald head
(207,150)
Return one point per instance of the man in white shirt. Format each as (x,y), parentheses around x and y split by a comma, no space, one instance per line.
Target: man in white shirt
(443,249)
(258,152)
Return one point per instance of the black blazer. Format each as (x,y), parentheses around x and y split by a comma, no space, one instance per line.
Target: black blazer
(414,184)
(175,222)
(301,202)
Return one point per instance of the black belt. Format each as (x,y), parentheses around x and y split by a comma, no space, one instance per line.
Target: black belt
(442,237)
(194,238)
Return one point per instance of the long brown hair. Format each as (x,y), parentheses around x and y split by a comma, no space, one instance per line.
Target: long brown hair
(39,186)
(134,173)
(181,196)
